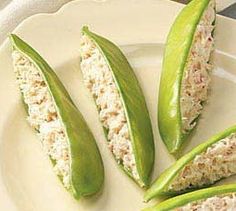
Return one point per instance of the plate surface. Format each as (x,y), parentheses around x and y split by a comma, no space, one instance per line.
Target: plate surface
(27,181)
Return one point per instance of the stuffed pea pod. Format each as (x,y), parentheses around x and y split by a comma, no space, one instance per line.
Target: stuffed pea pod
(121,105)
(185,75)
(203,166)
(217,198)
(63,132)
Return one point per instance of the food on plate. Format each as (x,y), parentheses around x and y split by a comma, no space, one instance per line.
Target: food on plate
(186,71)
(61,129)
(221,198)
(203,166)
(121,105)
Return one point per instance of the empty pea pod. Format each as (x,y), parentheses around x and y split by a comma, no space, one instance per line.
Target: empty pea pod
(62,130)
(185,74)
(204,165)
(216,198)
(121,105)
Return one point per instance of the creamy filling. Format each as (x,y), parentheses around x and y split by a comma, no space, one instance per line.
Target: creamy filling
(196,79)
(42,114)
(99,80)
(217,162)
(215,203)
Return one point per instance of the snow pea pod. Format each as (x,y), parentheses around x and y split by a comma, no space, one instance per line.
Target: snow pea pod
(121,105)
(60,126)
(185,73)
(204,165)
(223,195)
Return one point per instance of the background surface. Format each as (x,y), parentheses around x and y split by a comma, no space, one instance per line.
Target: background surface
(12,12)
(21,157)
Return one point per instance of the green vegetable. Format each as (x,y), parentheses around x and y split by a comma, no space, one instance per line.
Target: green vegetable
(86,167)
(182,200)
(178,46)
(161,186)
(136,112)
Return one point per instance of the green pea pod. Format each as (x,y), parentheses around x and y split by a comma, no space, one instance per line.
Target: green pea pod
(201,167)
(105,56)
(199,197)
(86,172)
(185,45)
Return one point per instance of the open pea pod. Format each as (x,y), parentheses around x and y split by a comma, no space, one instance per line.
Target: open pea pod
(121,105)
(216,198)
(185,74)
(62,130)
(204,165)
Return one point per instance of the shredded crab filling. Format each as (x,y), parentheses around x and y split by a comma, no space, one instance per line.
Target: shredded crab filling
(216,203)
(217,162)
(196,78)
(43,115)
(99,80)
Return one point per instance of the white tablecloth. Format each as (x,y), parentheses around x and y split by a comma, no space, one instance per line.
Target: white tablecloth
(12,12)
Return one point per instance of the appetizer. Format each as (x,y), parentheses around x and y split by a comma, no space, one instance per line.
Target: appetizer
(221,198)
(61,129)
(121,105)
(186,70)
(203,166)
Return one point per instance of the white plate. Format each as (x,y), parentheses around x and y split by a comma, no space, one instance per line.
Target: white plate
(27,181)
